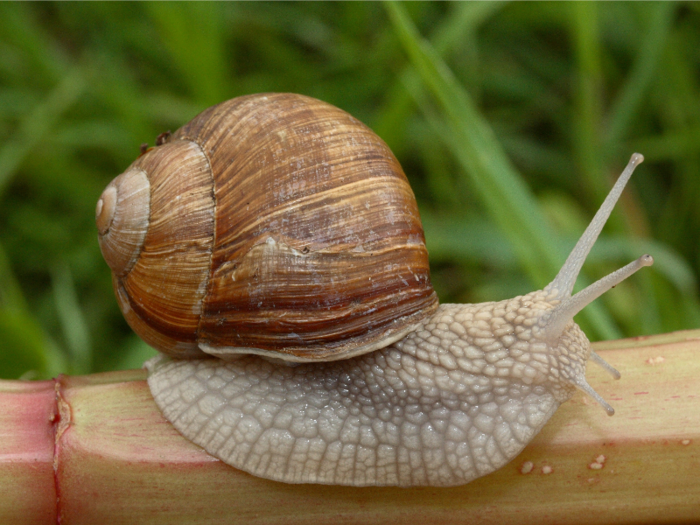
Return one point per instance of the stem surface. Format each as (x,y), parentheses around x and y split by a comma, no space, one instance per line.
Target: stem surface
(101,445)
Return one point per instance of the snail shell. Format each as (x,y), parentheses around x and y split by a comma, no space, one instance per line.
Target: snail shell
(274,224)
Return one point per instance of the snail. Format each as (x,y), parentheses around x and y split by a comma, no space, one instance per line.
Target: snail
(271,250)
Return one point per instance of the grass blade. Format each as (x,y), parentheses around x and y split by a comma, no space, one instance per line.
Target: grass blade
(72,320)
(509,202)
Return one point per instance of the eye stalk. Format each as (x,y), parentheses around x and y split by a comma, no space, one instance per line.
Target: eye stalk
(555,321)
(564,282)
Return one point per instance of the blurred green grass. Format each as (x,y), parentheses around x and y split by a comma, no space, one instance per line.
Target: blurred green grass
(511,121)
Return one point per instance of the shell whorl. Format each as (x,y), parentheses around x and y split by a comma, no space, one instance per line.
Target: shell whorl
(319,251)
(122,219)
(161,300)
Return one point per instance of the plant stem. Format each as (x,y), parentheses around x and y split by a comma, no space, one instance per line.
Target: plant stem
(95,449)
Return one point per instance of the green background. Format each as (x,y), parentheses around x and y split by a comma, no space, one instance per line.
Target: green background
(511,121)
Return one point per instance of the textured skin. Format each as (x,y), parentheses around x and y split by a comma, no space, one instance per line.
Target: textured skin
(452,401)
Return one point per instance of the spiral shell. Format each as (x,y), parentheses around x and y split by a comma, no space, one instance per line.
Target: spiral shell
(273,224)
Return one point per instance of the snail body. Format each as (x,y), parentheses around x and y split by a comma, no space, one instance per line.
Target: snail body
(238,249)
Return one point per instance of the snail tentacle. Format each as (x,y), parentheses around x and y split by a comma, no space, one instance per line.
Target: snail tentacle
(566,278)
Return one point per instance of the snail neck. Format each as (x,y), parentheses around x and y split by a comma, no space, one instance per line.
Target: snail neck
(509,341)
